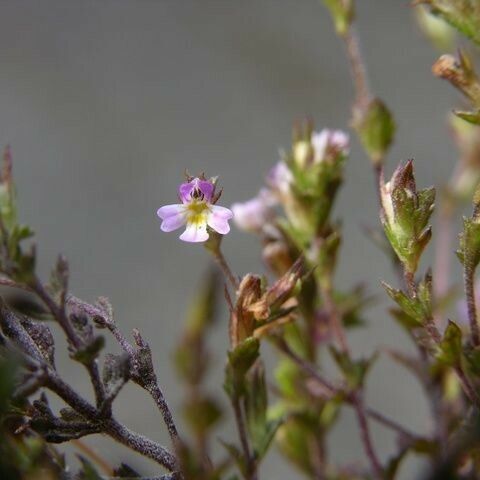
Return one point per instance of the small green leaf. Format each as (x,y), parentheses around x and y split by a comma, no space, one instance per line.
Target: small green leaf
(375,127)
(354,371)
(201,414)
(450,348)
(236,456)
(470,117)
(418,308)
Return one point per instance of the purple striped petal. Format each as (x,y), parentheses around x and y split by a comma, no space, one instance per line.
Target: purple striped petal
(218,219)
(185,191)
(195,232)
(206,188)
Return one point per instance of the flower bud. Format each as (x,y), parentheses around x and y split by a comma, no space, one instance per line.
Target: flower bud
(375,127)
(242,320)
(459,71)
(405,214)
(342,12)
(278,293)
(330,144)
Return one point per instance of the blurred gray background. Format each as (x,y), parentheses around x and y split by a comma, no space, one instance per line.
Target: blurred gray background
(106,102)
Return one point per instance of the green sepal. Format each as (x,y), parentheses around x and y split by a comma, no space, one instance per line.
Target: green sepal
(240,359)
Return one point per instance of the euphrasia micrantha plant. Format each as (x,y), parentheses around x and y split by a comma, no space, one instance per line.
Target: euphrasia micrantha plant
(298,309)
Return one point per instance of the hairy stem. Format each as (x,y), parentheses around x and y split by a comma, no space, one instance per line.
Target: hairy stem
(222,262)
(331,388)
(110,426)
(242,433)
(469,283)
(366,436)
(357,67)
(60,315)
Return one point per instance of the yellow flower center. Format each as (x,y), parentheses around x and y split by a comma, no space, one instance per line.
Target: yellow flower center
(197,212)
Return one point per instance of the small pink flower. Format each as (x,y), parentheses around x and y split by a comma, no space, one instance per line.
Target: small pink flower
(279,178)
(253,214)
(197,211)
(329,143)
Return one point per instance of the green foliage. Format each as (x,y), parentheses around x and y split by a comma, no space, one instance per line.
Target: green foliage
(464,15)
(419,308)
(375,127)
(405,215)
(354,371)
(342,12)
(469,251)
(240,360)
(450,349)
(201,414)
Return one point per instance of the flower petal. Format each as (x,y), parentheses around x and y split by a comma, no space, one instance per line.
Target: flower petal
(172,223)
(206,188)
(218,219)
(195,232)
(185,190)
(170,210)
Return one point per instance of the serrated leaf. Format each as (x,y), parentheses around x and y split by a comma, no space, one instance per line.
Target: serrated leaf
(418,308)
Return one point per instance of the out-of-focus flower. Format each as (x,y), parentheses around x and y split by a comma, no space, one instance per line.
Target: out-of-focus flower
(279,178)
(329,144)
(197,211)
(253,214)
